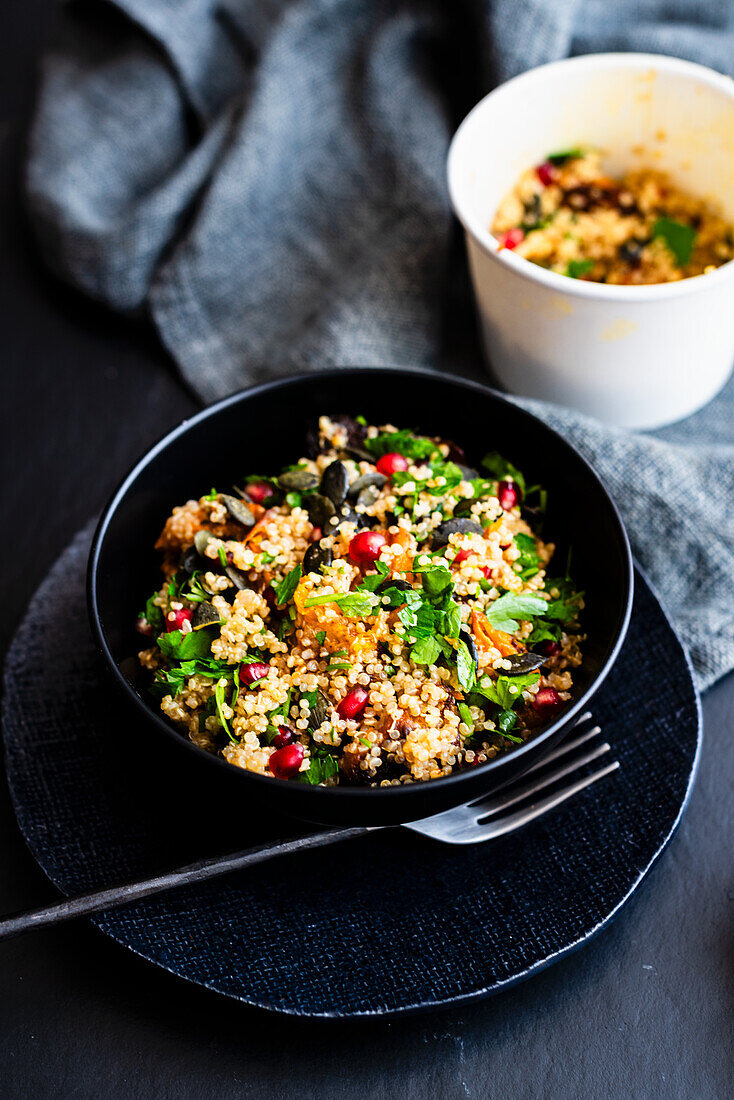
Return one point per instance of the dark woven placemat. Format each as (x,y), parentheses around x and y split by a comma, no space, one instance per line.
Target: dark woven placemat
(378,926)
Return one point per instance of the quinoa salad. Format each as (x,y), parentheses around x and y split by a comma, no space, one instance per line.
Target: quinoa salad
(379,613)
(568,216)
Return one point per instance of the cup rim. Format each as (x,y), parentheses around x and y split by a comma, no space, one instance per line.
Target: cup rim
(578,288)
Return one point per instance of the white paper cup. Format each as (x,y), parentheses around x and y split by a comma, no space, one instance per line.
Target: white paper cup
(637,356)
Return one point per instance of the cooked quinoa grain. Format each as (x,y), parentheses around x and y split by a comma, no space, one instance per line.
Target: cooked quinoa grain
(568,216)
(377,614)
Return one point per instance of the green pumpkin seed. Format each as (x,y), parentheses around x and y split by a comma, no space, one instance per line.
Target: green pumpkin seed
(238,510)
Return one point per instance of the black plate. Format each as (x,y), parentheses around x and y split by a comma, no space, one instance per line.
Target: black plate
(262,429)
(390,925)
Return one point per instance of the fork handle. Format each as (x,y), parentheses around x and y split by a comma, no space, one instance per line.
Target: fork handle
(85,904)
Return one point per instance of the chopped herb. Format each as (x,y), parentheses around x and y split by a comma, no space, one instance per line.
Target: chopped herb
(437,580)
(366,742)
(322,765)
(528,564)
(219,694)
(211,496)
(222,556)
(505,720)
(678,237)
(503,470)
(371,582)
(541,631)
(321,636)
(426,651)
(153,615)
(577,268)
(504,612)
(530,226)
(558,159)
(333,666)
(353,603)
(293,499)
(184,647)
(565,606)
(414,447)
(465,670)
(506,691)
(266,559)
(465,715)
(285,589)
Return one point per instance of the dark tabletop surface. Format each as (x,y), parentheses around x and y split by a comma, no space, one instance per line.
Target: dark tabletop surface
(644,1011)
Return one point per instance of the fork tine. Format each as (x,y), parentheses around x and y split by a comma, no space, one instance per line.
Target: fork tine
(507,824)
(556,754)
(562,750)
(516,794)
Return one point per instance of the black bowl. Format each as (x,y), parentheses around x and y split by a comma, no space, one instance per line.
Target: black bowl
(263,428)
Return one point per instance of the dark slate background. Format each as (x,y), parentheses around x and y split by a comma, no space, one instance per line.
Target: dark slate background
(645,1011)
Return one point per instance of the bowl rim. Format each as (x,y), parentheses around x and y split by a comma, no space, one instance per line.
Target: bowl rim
(356,795)
(531,272)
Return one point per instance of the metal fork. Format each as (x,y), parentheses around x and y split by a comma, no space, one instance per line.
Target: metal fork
(477,821)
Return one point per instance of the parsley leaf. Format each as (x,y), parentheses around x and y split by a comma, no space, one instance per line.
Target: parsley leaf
(220,692)
(183,647)
(577,268)
(285,589)
(465,670)
(321,766)
(506,691)
(404,442)
(465,715)
(505,720)
(565,606)
(529,560)
(153,615)
(503,470)
(437,581)
(565,154)
(321,636)
(678,237)
(501,614)
(426,651)
(352,603)
(541,631)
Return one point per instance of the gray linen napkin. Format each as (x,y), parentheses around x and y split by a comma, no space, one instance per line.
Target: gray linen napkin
(266,178)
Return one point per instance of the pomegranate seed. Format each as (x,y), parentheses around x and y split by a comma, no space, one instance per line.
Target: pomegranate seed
(284,736)
(256,670)
(176,619)
(487,570)
(285,762)
(391,464)
(460,557)
(546,173)
(269,596)
(258,491)
(366,546)
(315,535)
(547,648)
(353,703)
(512,238)
(508,494)
(546,701)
